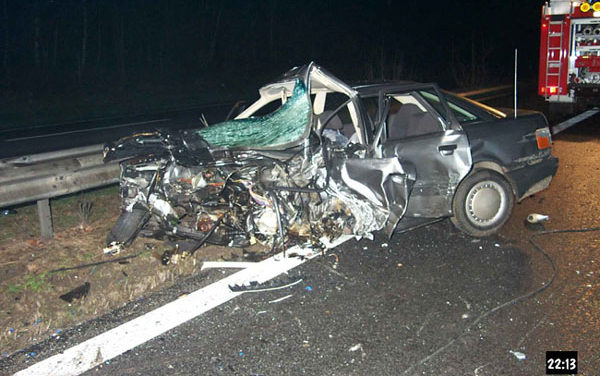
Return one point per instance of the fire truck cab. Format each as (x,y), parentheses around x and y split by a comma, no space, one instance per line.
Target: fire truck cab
(570,52)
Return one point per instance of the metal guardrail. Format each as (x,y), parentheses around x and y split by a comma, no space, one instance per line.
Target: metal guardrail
(40,177)
(488,93)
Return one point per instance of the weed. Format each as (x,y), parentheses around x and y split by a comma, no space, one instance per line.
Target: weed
(14,288)
(85,211)
(88,256)
(36,282)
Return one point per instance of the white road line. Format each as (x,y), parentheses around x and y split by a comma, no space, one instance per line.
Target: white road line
(226,264)
(125,337)
(87,130)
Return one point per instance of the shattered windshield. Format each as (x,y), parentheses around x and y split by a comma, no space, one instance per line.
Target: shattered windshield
(277,129)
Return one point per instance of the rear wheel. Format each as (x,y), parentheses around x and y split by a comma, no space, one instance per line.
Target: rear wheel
(128,225)
(482,203)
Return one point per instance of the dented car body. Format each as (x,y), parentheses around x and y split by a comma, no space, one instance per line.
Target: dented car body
(314,159)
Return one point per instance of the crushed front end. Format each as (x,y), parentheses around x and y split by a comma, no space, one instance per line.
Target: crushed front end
(271,180)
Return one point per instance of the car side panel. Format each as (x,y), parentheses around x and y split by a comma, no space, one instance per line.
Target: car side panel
(441,161)
(511,143)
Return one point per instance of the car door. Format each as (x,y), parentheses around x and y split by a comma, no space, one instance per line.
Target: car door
(420,131)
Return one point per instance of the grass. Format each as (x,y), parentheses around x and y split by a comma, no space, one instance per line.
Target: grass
(65,214)
(31,282)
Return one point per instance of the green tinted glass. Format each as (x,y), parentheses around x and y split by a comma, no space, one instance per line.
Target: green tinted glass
(288,124)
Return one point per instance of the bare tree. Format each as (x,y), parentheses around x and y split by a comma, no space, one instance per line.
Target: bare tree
(473,73)
(5,28)
(36,34)
(215,34)
(99,37)
(120,41)
(272,20)
(84,38)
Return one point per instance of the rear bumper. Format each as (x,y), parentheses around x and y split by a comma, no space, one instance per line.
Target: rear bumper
(534,178)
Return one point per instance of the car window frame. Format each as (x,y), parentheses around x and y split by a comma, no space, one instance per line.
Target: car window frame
(444,126)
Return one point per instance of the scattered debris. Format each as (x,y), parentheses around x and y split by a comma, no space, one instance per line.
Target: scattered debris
(281,299)
(537,218)
(399,265)
(384,245)
(6,212)
(356,347)
(113,248)
(476,371)
(308,288)
(252,286)
(467,304)
(465,316)
(77,293)
(519,355)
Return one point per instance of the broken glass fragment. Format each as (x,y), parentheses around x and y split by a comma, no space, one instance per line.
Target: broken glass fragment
(284,126)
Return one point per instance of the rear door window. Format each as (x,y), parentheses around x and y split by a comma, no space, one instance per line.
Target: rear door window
(409,117)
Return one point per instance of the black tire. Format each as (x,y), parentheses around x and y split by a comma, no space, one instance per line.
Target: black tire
(482,203)
(128,226)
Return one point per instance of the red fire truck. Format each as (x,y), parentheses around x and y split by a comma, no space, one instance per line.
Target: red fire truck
(570,52)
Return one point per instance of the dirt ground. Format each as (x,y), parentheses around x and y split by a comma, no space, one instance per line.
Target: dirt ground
(30,308)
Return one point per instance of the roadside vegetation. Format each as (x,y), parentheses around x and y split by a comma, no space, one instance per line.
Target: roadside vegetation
(32,282)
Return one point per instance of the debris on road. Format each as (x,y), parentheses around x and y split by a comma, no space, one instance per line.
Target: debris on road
(77,293)
(534,218)
(519,355)
(113,248)
(253,286)
(356,347)
(281,299)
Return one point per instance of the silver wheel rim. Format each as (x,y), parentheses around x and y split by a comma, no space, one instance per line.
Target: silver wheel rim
(486,203)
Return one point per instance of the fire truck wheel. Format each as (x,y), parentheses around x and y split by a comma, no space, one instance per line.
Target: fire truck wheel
(128,225)
(482,203)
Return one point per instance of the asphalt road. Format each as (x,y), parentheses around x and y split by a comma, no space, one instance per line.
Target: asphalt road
(52,137)
(382,309)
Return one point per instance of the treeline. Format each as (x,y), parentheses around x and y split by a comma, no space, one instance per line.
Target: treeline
(61,43)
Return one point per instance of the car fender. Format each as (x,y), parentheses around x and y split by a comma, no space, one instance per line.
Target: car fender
(496,167)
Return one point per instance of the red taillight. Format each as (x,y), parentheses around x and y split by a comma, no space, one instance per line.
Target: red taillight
(543,138)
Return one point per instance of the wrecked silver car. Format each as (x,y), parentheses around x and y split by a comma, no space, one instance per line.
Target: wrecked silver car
(315,160)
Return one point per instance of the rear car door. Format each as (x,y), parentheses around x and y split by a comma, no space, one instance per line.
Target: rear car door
(419,130)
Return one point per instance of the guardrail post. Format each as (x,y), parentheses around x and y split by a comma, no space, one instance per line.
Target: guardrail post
(43,207)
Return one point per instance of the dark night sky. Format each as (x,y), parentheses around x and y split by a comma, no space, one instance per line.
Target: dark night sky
(60,44)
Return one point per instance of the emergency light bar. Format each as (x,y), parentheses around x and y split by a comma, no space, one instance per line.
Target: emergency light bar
(586,7)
